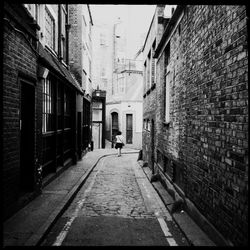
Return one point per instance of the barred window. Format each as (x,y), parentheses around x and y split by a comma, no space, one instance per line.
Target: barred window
(49,29)
(48,106)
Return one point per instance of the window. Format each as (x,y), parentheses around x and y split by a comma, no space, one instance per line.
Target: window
(129,128)
(49,29)
(148,71)
(153,66)
(149,125)
(63,32)
(167,99)
(48,106)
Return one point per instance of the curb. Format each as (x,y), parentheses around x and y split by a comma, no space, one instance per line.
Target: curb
(189,241)
(37,238)
(192,241)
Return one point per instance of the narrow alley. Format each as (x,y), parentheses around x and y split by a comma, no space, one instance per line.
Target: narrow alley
(116,206)
(165,84)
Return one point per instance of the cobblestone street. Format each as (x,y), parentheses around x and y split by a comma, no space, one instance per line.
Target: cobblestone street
(116,206)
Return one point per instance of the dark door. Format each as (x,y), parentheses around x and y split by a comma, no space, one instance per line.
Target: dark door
(27,137)
(114,125)
(129,128)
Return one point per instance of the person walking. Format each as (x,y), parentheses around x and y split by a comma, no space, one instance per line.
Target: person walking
(119,143)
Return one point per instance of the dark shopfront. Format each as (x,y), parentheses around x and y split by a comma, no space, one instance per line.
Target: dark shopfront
(58,124)
(59,116)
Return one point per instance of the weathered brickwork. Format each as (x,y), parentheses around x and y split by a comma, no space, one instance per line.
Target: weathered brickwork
(75,42)
(19,60)
(208,132)
(150,95)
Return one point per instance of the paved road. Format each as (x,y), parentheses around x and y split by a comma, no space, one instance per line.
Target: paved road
(116,206)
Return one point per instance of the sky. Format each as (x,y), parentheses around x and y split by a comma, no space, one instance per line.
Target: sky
(136,18)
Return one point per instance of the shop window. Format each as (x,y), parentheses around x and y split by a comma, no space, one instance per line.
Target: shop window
(48,106)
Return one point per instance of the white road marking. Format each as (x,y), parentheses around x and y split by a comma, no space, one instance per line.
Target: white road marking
(164,227)
(160,207)
(62,235)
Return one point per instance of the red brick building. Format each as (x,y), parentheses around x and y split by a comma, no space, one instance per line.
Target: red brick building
(199,122)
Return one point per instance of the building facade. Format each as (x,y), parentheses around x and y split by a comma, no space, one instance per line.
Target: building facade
(40,102)
(80,64)
(200,131)
(153,37)
(124,108)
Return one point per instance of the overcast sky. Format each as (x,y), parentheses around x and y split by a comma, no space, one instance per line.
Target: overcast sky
(137,19)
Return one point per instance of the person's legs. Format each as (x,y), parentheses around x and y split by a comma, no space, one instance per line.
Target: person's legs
(119,151)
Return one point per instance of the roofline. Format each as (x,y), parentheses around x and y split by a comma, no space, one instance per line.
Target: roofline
(149,30)
(168,28)
(90,14)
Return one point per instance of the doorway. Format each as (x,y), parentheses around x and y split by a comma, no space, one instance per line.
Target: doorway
(27,168)
(114,125)
(129,128)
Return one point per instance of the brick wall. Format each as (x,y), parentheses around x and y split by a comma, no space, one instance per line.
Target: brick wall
(150,94)
(75,41)
(18,59)
(208,134)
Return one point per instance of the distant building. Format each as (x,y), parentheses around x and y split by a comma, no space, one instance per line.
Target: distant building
(121,78)
(195,111)
(102,58)
(124,109)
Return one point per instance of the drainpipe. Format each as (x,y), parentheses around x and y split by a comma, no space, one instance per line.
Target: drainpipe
(67,34)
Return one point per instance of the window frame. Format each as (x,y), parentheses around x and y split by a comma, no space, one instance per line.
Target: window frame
(48,112)
(53,37)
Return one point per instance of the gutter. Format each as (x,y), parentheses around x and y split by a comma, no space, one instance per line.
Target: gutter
(168,29)
(90,14)
(142,49)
